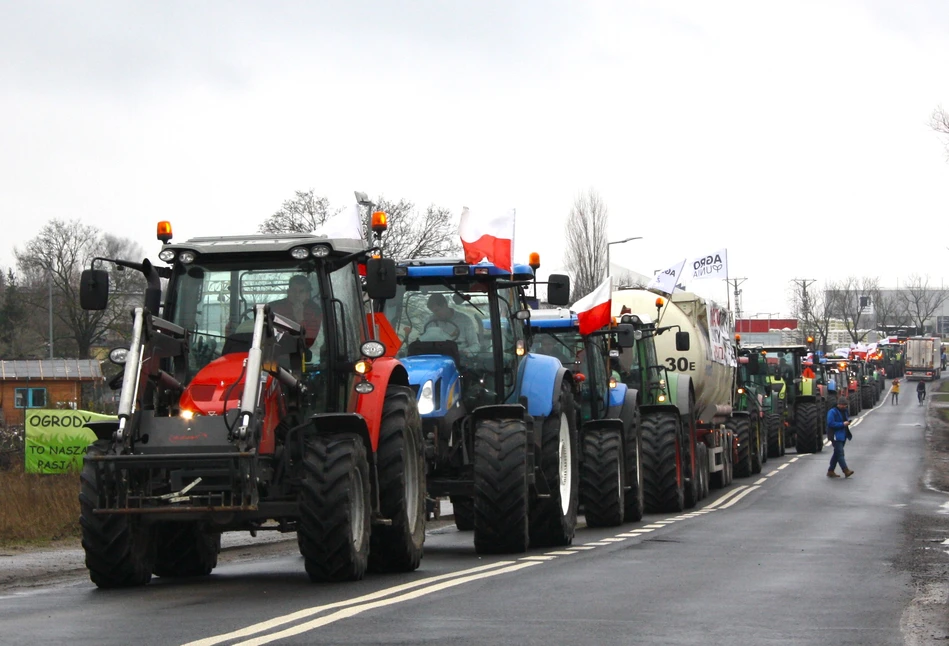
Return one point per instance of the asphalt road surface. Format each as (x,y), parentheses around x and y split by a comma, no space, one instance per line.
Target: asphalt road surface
(786,557)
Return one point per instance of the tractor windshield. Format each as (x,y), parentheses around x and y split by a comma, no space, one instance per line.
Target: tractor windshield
(216,305)
(565,345)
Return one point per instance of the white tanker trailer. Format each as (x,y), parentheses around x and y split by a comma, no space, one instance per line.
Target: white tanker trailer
(710,365)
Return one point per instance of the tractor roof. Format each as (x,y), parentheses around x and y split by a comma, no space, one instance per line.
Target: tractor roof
(802,349)
(265,244)
(456,268)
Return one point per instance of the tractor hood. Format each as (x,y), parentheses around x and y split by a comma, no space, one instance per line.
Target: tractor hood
(425,367)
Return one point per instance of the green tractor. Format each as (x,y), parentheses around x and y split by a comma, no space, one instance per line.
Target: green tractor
(804,399)
(754,397)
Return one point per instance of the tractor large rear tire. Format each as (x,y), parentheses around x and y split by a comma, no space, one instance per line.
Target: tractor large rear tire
(335,509)
(603,478)
(635,500)
(807,427)
(401,467)
(501,519)
(185,549)
(663,484)
(120,550)
(775,435)
(741,426)
(553,520)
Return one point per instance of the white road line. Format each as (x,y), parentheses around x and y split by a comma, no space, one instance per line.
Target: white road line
(583,547)
(630,534)
(737,498)
(761,480)
(347,613)
(783,466)
(537,558)
(596,544)
(309,612)
(795,459)
(615,539)
(721,500)
(653,526)
(645,531)
(564,552)
(667,521)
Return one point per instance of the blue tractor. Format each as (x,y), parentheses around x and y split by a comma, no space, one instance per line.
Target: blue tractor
(611,477)
(499,422)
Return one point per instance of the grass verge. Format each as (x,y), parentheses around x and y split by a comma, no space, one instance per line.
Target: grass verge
(37,509)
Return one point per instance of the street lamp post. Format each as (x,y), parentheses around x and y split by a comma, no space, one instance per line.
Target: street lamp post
(608,272)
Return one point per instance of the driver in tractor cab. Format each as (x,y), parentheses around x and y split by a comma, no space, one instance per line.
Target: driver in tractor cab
(300,308)
(457,327)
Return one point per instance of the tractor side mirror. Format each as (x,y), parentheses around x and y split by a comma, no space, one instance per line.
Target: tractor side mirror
(625,335)
(558,289)
(380,278)
(94,289)
(683,343)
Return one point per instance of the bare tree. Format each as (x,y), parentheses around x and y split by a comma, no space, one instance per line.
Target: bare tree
(851,302)
(586,242)
(815,308)
(413,235)
(889,312)
(50,265)
(303,213)
(920,301)
(626,280)
(410,234)
(939,121)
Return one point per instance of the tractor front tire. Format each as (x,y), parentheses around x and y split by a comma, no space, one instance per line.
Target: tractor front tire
(663,484)
(120,549)
(775,435)
(501,518)
(463,509)
(603,478)
(333,531)
(401,467)
(635,500)
(741,426)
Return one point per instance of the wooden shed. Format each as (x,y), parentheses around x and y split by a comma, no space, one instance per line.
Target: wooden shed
(44,383)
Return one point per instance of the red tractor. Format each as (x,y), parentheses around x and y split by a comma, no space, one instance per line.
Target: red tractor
(257,396)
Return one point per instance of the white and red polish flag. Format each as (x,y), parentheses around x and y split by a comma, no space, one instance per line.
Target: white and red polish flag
(593,310)
(490,237)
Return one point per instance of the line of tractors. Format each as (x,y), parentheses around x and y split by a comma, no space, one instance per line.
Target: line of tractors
(423,379)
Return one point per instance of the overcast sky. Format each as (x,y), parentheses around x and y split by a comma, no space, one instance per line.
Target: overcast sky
(793,134)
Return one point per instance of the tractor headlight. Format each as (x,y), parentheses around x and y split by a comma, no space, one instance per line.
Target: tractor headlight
(426,398)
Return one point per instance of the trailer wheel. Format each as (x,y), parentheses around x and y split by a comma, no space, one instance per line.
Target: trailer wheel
(333,531)
(775,436)
(463,508)
(553,520)
(185,549)
(663,482)
(635,502)
(400,463)
(807,427)
(603,478)
(741,426)
(501,519)
(120,549)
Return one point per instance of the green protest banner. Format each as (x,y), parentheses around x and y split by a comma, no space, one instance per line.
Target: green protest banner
(56,440)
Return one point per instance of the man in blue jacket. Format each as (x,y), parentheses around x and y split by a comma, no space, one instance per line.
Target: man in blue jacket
(838,423)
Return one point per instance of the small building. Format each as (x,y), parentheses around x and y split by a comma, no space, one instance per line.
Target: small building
(44,383)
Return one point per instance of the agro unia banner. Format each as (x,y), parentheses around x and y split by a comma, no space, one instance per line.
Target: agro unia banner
(56,440)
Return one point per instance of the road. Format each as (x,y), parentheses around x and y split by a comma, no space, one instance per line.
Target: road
(789,557)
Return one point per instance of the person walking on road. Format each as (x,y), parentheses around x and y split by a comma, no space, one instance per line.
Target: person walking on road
(838,429)
(895,398)
(920,392)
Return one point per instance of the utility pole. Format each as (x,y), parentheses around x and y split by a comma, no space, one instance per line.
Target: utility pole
(803,283)
(734,283)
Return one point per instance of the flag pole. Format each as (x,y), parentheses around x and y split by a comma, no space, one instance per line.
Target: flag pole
(513,236)
(728,295)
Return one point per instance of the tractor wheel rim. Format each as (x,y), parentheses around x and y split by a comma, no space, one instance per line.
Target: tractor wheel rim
(357,522)
(565,468)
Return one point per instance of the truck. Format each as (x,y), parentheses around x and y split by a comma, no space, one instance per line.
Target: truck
(610,437)
(499,421)
(922,358)
(694,370)
(233,417)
